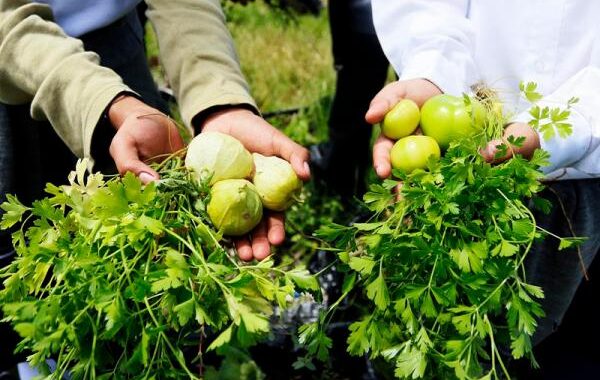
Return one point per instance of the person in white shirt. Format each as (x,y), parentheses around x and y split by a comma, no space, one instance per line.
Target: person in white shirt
(448,46)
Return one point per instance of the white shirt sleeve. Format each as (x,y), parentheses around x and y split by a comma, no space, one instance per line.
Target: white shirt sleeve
(577,155)
(431,39)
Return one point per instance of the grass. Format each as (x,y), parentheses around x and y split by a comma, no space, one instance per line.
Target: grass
(286,59)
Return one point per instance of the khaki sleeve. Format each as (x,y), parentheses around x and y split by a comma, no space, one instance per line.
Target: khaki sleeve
(40,64)
(197,52)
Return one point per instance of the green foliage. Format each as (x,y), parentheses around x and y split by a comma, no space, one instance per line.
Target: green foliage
(548,121)
(443,265)
(114,279)
(305,217)
(237,365)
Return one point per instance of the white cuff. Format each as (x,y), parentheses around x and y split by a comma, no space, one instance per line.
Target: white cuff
(564,151)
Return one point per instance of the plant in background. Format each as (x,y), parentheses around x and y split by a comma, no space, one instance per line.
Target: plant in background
(442,268)
(114,279)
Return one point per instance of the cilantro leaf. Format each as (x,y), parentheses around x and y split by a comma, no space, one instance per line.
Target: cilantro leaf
(377,291)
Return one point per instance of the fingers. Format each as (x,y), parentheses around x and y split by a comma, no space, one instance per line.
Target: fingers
(294,153)
(124,152)
(381,156)
(260,243)
(384,101)
(270,231)
(142,136)
(259,136)
(419,90)
(244,249)
(530,143)
(489,152)
(276,228)
(377,111)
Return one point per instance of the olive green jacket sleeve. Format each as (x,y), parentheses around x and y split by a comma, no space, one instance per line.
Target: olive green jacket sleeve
(198,55)
(67,86)
(41,65)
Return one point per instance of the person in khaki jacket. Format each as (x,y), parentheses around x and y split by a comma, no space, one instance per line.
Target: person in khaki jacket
(74,81)
(67,82)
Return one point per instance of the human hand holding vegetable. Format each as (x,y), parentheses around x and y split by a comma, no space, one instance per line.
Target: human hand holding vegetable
(143,132)
(258,136)
(444,118)
(530,143)
(418,90)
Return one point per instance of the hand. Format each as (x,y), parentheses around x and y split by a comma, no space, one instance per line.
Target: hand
(530,144)
(143,133)
(418,90)
(261,137)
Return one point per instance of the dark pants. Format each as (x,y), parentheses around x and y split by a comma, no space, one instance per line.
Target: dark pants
(32,154)
(361,70)
(568,338)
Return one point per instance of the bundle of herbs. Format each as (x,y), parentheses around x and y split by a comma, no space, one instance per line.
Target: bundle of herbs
(441,263)
(114,279)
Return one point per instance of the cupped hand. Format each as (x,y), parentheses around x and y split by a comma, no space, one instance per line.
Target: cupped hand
(418,90)
(526,149)
(143,133)
(261,137)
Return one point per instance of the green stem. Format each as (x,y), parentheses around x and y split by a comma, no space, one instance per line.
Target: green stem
(168,342)
(495,352)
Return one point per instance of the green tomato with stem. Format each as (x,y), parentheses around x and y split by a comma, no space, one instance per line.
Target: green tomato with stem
(447,118)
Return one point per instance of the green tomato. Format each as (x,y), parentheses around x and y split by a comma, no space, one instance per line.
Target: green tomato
(276,182)
(235,207)
(402,120)
(412,152)
(446,118)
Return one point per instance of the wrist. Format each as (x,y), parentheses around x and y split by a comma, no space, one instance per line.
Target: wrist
(205,117)
(223,117)
(124,106)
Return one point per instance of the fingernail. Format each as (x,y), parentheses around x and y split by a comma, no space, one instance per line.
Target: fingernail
(146,177)
(306,168)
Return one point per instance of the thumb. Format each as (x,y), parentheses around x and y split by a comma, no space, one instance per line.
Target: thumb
(377,111)
(294,153)
(124,152)
(384,101)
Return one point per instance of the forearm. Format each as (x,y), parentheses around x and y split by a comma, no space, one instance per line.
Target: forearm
(197,52)
(41,65)
(428,39)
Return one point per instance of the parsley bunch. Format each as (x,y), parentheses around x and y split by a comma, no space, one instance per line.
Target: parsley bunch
(114,279)
(442,268)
